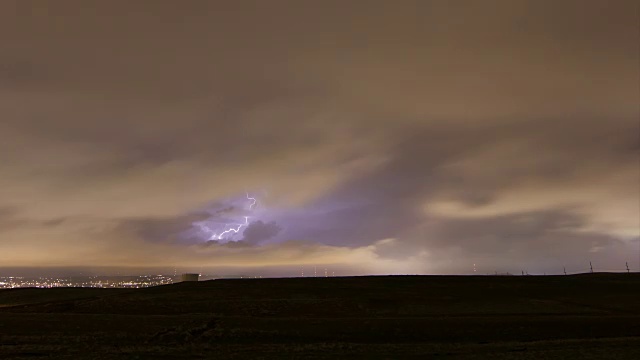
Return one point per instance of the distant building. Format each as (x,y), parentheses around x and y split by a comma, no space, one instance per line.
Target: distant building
(190,277)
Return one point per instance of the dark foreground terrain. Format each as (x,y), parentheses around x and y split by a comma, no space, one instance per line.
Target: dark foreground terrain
(594,316)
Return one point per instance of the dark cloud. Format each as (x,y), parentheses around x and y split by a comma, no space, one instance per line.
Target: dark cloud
(162,229)
(259,231)
(386,134)
(549,232)
(10,218)
(229,244)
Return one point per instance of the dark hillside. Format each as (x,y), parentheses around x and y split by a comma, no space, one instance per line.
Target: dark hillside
(368,317)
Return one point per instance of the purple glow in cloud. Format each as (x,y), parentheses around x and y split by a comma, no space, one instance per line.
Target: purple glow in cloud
(230,213)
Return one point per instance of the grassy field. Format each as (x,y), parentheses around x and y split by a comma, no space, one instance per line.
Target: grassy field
(591,316)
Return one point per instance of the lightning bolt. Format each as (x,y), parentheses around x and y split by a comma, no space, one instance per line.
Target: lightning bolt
(246,222)
(253,203)
(237,229)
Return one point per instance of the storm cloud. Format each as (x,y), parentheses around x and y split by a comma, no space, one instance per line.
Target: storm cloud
(406,136)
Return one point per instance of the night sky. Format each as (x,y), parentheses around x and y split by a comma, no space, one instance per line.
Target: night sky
(369,137)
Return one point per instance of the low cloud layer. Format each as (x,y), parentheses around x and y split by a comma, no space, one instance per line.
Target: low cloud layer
(404,137)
